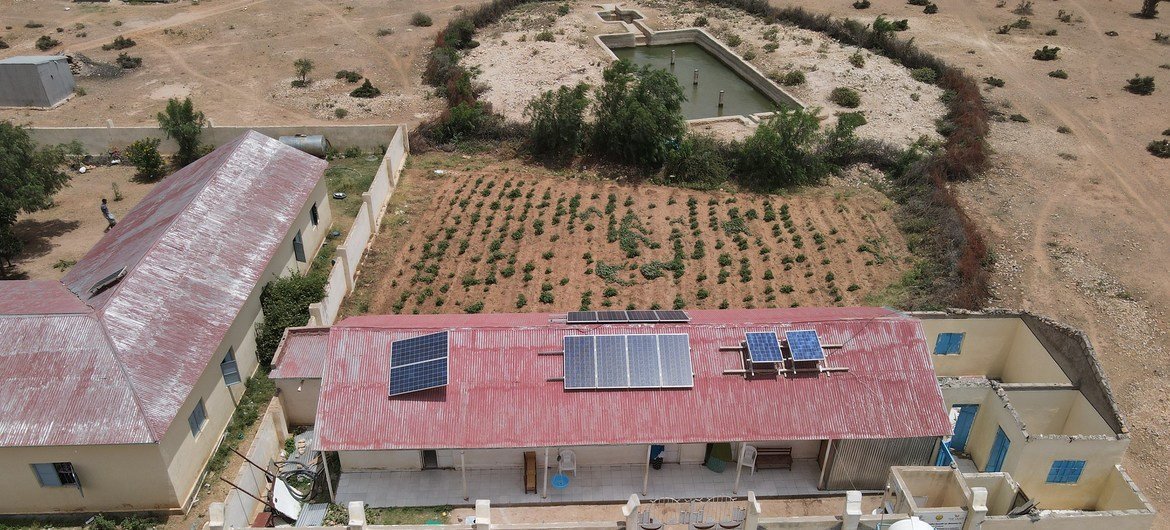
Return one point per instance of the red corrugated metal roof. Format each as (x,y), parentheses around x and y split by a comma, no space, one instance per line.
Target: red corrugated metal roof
(38,297)
(301,354)
(194,249)
(499,394)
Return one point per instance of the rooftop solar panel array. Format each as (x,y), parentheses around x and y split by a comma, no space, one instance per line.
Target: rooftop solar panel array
(634,317)
(418,363)
(764,347)
(805,345)
(628,361)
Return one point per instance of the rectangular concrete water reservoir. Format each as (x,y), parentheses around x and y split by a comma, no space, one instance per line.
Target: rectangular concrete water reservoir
(740,97)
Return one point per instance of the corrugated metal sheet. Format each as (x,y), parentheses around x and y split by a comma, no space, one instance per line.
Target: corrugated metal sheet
(195,249)
(499,395)
(38,297)
(61,385)
(301,354)
(865,464)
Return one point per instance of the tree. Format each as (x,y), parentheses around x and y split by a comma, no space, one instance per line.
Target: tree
(639,112)
(285,303)
(143,154)
(184,124)
(558,120)
(699,162)
(28,179)
(303,67)
(783,152)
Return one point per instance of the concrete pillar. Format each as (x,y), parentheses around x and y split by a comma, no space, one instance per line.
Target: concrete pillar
(343,261)
(978,511)
(369,200)
(357,515)
(483,514)
(630,511)
(752,521)
(672,57)
(721,94)
(696,77)
(852,517)
(317,314)
(215,516)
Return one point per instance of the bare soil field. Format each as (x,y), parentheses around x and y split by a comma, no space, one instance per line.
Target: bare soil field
(234,58)
(496,235)
(57,237)
(518,67)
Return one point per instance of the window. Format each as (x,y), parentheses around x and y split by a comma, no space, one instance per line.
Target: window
(313,215)
(197,418)
(1065,471)
(231,371)
(948,343)
(55,474)
(299,247)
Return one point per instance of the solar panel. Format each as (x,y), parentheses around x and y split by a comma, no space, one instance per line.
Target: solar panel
(673,316)
(674,352)
(764,347)
(581,317)
(612,316)
(628,361)
(805,345)
(418,363)
(580,362)
(643,353)
(642,316)
(612,368)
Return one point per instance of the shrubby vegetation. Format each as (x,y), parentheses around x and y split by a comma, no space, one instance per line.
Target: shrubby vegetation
(285,303)
(367,90)
(845,97)
(184,124)
(30,177)
(1045,54)
(638,111)
(558,120)
(1142,86)
(143,155)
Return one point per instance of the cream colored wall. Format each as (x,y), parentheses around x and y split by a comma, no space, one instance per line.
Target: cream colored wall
(1084,419)
(800,448)
(1001,491)
(966,395)
(380,460)
(691,453)
(1033,460)
(1043,411)
(113,478)
(1029,362)
(984,347)
(992,414)
(187,455)
(1119,493)
(299,407)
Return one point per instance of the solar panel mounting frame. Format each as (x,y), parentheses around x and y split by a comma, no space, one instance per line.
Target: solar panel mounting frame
(769,351)
(420,364)
(800,349)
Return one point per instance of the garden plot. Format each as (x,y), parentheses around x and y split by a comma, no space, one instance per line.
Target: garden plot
(500,236)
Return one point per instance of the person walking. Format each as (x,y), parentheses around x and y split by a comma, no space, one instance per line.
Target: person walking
(109,216)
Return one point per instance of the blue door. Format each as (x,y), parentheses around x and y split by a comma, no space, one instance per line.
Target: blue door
(963,426)
(998,451)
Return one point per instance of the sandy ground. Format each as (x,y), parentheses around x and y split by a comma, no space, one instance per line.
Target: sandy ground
(819,263)
(66,231)
(518,67)
(613,512)
(234,58)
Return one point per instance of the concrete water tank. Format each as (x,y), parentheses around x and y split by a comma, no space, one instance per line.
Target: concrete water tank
(913,523)
(314,144)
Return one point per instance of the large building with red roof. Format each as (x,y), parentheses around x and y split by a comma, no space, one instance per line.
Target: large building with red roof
(135,360)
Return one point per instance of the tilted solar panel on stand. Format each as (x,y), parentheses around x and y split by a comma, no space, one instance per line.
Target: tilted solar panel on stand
(674,353)
(612,367)
(581,317)
(419,363)
(673,316)
(764,347)
(642,316)
(805,345)
(580,362)
(644,363)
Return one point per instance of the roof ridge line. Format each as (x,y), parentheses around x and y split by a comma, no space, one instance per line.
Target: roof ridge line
(131,269)
(155,437)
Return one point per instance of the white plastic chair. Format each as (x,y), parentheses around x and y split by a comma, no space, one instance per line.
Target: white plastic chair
(747,457)
(567,461)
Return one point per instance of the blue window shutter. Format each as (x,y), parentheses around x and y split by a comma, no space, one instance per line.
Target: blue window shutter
(47,474)
(1065,471)
(948,343)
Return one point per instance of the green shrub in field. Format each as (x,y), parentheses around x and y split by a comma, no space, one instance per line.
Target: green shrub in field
(367,90)
(1019,118)
(783,152)
(45,43)
(1059,74)
(700,162)
(930,9)
(143,155)
(700,21)
(120,43)
(348,75)
(545,36)
(734,40)
(994,81)
(925,74)
(881,25)
(124,60)
(857,59)
(861,4)
(563,9)
(1045,54)
(557,120)
(1159,148)
(845,97)
(639,111)
(1142,86)
(421,20)
(793,78)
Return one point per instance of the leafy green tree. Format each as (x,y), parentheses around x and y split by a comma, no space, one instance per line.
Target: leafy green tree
(558,120)
(639,113)
(285,303)
(143,154)
(699,162)
(783,152)
(28,179)
(303,66)
(184,124)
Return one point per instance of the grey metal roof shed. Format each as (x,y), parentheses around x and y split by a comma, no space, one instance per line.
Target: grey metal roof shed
(35,81)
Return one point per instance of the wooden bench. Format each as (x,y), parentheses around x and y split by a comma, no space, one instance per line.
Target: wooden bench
(774,458)
(530,472)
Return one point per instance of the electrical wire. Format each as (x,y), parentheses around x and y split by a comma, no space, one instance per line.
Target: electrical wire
(291,470)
